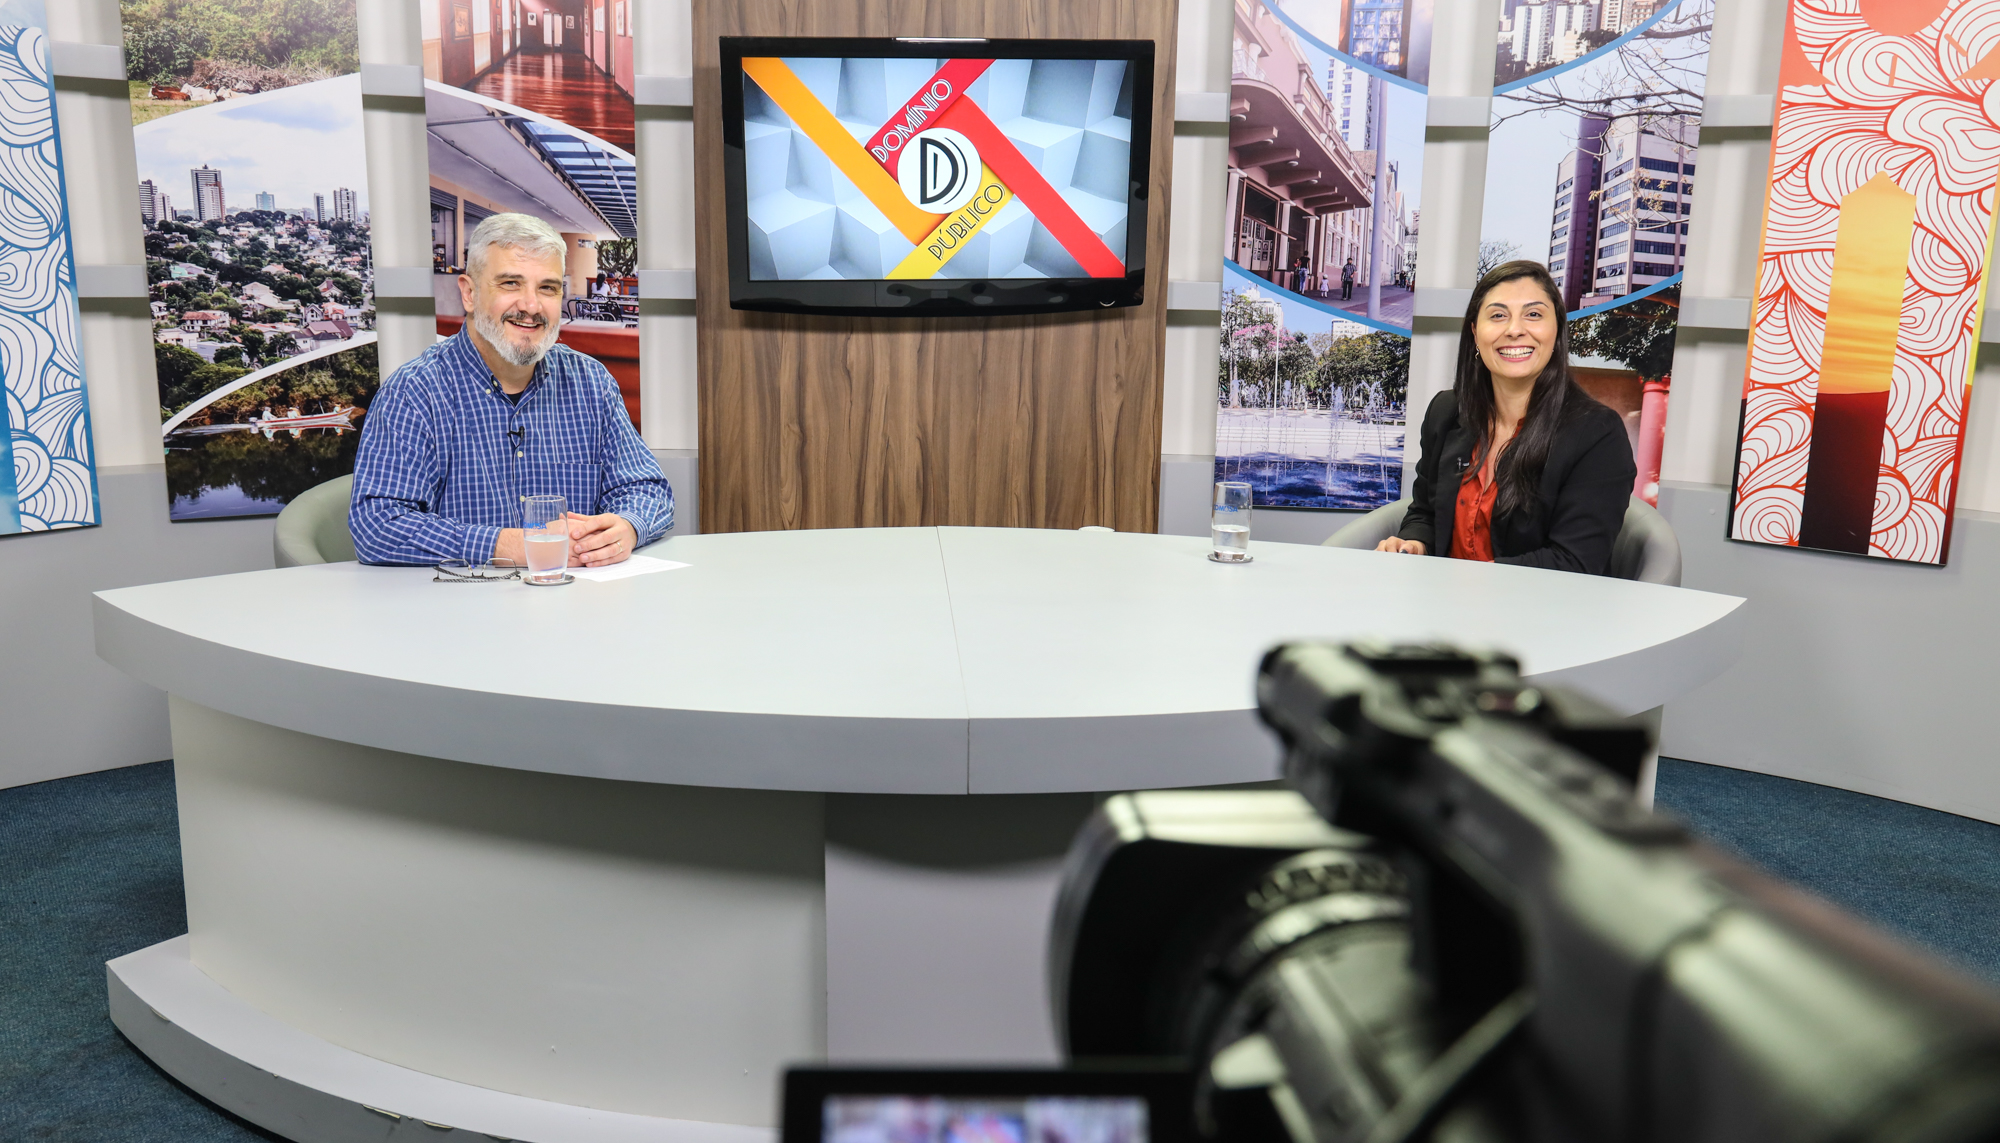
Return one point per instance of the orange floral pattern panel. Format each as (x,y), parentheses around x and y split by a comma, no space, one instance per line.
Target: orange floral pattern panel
(1881,103)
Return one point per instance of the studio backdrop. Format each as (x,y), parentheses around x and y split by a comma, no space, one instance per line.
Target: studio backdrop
(1591,171)
(528,108)
(253,192)
(1327,102)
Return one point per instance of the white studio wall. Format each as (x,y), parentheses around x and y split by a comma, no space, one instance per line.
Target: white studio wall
(66,711)
(1825,629)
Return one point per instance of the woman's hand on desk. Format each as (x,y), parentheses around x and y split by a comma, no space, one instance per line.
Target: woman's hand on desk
(1398,544)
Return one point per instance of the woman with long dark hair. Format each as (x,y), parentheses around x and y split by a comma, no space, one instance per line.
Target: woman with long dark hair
(1519,464)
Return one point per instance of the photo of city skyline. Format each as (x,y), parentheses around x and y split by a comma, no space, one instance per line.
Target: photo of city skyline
(253,196)
(1599,187)
(1319,274)
(1537,36)
(296,150)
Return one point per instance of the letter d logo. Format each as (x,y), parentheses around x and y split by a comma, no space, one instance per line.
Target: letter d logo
(939,171)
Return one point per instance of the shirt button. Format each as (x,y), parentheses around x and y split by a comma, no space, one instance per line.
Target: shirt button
(520,453)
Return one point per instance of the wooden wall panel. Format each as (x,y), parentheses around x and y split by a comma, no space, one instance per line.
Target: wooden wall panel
(836,422)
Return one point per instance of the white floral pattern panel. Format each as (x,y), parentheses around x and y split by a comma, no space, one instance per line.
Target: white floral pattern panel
(48,477)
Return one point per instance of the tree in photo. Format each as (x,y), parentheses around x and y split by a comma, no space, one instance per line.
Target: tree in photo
(298,40)
(1657,75)
(1370,369)
(617,257)
(1493,254)
(1638,335)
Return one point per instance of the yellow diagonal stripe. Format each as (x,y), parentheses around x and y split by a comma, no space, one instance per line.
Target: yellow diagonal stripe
(812,117)
(951,235)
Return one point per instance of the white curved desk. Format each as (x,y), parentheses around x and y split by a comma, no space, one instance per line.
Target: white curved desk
(566,864)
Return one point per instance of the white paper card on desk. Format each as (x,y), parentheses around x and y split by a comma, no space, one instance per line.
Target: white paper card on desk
(633,565)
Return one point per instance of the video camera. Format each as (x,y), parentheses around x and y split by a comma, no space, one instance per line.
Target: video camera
(1459,925)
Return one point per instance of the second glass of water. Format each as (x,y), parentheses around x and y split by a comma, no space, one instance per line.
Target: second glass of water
(546,519)
(1229,523)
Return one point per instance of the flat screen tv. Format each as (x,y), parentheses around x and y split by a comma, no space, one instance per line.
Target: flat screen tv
(915,177)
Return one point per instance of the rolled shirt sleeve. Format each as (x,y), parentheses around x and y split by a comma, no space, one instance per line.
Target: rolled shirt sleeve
(634,486)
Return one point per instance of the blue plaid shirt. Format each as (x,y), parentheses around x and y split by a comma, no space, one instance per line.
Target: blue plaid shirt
(445,457)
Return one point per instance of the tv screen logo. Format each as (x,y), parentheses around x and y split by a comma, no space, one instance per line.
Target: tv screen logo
(940,170)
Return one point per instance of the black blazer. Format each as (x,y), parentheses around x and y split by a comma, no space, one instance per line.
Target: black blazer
(1580,506)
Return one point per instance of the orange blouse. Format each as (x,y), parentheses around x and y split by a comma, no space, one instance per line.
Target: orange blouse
(1472,527)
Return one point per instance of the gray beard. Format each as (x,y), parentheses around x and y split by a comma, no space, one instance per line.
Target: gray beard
(494,330)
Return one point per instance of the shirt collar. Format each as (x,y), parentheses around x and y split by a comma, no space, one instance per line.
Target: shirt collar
(458,348)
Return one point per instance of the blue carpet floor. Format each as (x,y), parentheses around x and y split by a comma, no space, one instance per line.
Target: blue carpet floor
(1931,877)
(90,869)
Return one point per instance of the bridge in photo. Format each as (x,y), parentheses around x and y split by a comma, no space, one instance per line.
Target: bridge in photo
(206,399)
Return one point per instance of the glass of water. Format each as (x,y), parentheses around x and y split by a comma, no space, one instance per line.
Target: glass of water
(1229,523)
(546,519)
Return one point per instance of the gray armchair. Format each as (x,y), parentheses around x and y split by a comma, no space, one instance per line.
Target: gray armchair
(1371,529)
(313,527)
(1646,548)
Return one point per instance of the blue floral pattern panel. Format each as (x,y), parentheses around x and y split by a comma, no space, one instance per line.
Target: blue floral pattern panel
(48,477)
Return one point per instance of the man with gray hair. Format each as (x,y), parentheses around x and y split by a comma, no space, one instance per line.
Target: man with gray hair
(499,411)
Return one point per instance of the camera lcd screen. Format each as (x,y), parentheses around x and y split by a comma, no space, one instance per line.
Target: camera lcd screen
(964,1119)
(946,1105)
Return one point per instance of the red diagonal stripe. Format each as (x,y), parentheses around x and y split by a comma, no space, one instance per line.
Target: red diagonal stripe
(1043,201)
(957,75)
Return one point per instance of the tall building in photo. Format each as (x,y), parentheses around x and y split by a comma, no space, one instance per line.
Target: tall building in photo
(1396,242)
(343,205)
(1647,192)
(166,206)
(149,202)
(1621,16)
(1353,100)
(1352,93)
(266,201)
(1377,33)
(1573,218)
(207,192)
(319,212)
(1550,32)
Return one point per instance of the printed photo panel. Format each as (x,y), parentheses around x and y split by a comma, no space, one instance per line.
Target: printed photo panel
(1871,279)
(253,192)
(530,111)
(48,471)
(1326,137)
(1591,172)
